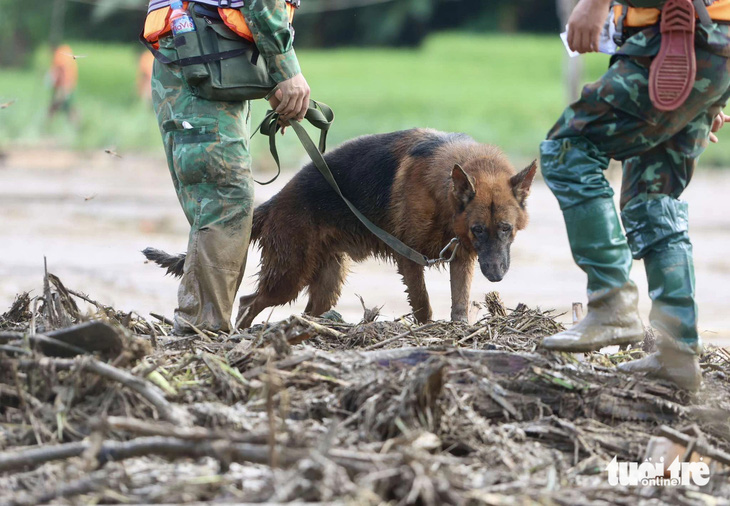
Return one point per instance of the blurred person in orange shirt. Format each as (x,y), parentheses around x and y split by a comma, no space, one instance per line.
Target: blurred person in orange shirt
(144,77)
(64,77)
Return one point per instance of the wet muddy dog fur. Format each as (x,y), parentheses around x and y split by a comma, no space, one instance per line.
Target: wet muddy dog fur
(423,186)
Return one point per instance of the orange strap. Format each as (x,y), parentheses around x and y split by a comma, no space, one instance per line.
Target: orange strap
(638,17)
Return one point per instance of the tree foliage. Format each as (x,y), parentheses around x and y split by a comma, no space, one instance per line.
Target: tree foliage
(407,22)
(320,23)
(22,26)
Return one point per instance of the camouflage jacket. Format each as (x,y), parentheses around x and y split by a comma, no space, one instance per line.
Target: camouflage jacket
(268,21)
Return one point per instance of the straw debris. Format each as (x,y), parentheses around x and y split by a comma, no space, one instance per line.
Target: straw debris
(317,409)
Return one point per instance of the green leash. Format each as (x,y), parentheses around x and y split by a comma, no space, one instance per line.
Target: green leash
(321,117)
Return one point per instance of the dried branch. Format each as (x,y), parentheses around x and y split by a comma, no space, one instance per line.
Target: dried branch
(167,447)
(174,448)
(167,429)
(166,410)
(320,329)
(409,332)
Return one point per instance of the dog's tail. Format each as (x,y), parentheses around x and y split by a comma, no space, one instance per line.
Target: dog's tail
(175,263)
(260,215)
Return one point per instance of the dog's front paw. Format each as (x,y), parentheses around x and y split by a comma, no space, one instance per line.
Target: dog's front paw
(461,316)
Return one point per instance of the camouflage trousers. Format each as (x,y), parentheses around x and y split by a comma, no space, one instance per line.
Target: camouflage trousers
(207,150)
(614,118)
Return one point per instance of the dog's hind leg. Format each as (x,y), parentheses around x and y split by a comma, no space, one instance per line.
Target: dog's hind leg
(414,279)
(251,305)
(256,303)
(326,286)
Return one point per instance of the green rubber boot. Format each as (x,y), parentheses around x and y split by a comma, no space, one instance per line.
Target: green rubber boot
(657,229)
(612,319)
(670,273)
(670,363)
(573,170)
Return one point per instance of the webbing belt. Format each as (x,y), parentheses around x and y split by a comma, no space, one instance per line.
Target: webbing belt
(701,9)
(192,60)
(321,117)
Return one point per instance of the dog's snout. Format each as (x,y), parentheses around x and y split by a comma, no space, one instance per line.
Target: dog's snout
(494,272)
(495,278)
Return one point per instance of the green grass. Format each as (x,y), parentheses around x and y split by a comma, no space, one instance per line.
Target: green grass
(501,89)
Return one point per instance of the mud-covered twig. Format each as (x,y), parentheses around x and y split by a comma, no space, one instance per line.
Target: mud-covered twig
(400,353)
(167,429)
(320,329)
(88,299)
(473,334)
(14,350)
(11,336)
(42,339)
(280,364)
(163,319)
(272,384)
(150,392)
(195,329)
(409,332)
(85,485)
(699,446)
(47,297)
(167,447)
(173,448)
(14,460)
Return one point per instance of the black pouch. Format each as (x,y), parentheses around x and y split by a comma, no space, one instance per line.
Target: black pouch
(188,47)
(241,77)
(217,63)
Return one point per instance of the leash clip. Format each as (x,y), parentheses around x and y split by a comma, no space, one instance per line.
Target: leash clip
(442,256)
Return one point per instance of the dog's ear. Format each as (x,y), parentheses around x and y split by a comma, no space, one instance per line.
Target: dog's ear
(463,186)
(522,181)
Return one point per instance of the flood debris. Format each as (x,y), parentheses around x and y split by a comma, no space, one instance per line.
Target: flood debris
(104,406)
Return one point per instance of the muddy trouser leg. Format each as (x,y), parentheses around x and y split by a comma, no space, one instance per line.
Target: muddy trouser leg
(657,226)
(614,118)
(207,149)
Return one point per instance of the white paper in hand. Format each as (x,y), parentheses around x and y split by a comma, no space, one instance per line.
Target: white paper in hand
(605,43)
(564,38)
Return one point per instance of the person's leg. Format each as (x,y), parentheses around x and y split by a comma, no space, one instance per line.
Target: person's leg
(207,149)
(573,169)
(613,119)
(656,224)
(573,159)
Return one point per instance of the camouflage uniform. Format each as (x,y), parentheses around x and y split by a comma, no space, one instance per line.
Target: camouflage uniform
(207,148)
(614,118)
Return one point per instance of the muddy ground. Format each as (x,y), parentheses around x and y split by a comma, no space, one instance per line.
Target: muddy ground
(90,215)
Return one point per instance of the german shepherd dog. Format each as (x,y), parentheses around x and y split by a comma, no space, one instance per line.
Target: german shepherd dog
(423,186)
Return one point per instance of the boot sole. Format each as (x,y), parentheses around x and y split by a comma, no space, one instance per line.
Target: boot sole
(577,348)
(672,73)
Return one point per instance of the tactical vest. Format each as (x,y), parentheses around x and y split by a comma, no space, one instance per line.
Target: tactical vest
(638,17)
(157,23)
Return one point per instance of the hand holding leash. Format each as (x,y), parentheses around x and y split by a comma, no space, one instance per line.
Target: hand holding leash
(291,98)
